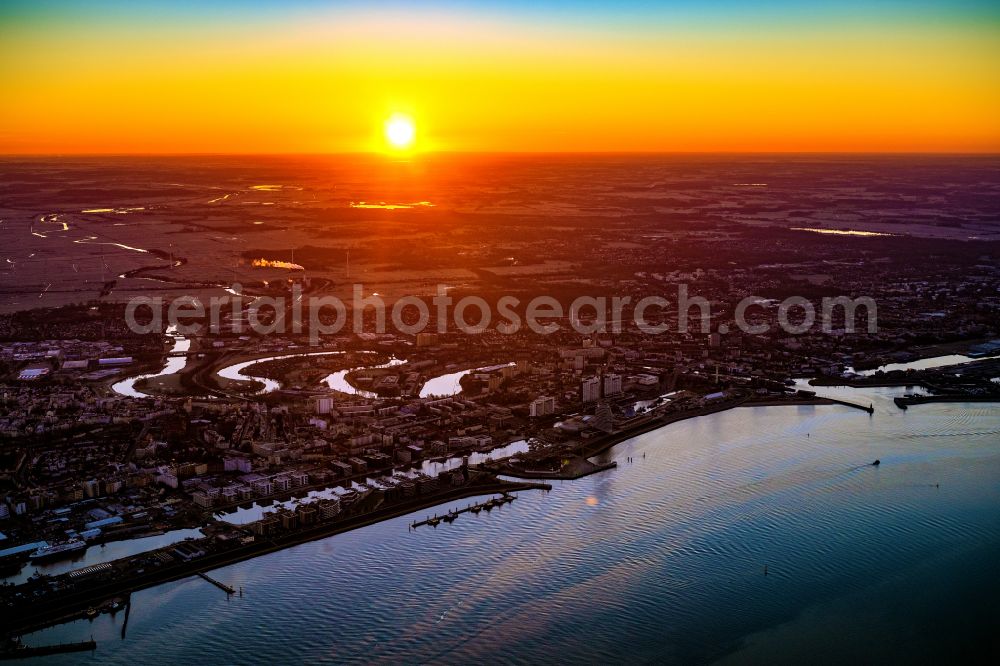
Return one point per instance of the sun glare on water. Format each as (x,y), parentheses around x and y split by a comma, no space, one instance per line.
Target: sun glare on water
(400,132)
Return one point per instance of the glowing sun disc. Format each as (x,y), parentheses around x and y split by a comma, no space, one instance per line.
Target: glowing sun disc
(400,132)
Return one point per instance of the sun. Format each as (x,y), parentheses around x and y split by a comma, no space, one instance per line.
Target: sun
(400,131)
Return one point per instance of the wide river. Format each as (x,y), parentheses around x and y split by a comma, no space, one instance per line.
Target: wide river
(660,560)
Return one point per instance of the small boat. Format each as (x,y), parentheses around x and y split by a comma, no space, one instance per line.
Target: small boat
(876,463)
(91,612)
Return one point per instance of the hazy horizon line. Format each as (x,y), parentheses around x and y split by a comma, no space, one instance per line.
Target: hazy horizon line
(414,154)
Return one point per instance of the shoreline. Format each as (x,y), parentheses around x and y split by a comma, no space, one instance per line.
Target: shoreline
(920,353)
(605,443)
(70,607)
(807,401)
(861,383)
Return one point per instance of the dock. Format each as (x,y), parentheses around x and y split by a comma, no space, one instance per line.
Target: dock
(870,408)
(222,586)
(128,611)
(23,651)
(449,517)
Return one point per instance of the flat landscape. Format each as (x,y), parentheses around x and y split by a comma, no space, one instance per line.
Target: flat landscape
(501,332)
(118,227)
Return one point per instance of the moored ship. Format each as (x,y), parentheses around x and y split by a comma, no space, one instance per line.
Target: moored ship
(57,551)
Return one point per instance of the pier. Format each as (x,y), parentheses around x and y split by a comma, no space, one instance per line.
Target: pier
(472,508)
(128,611)
(222,586)
(870,408)
(23,651)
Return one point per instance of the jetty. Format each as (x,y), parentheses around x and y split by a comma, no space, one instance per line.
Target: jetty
(19,651)
(222,586)
(128,611)
(450,517)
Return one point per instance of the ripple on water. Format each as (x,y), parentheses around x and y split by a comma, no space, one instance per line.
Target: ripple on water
(666,565)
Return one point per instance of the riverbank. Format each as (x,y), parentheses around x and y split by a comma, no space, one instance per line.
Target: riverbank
(585,449)
(70,605)
(744,476)
(573,468)
(961,347)
(764,402)
(860,382)
(36,614)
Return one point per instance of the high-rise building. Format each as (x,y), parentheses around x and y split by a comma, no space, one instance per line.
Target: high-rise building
(603,419)
(542,406)
(590,390)
(612,384)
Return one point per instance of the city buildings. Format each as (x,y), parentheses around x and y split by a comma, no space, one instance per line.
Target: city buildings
(542,406)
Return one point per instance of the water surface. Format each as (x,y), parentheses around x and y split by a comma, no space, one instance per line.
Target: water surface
(99,553)
(660,560)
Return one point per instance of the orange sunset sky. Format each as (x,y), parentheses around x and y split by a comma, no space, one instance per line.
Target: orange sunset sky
(315,77)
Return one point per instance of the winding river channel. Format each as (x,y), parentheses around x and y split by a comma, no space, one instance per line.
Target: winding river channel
(176,360)
(445,385)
